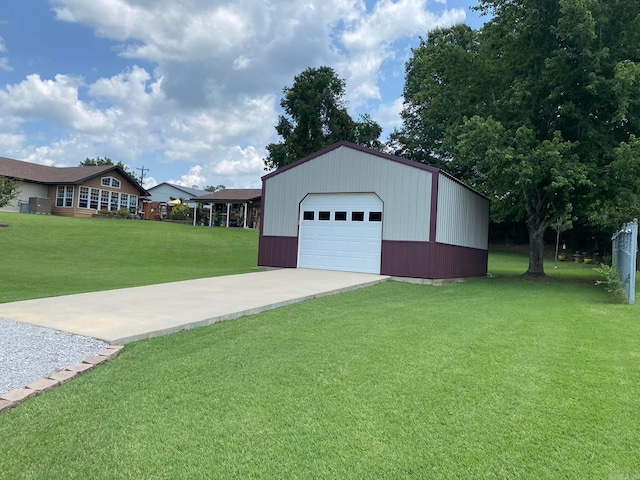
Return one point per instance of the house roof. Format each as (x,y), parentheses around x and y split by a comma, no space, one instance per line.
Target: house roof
(32,172)
(231,195)
(194,192)
(387,156)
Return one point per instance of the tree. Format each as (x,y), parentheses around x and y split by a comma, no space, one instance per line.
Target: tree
(98,162)
(537,109)
(8,190)
(316,117)
(213,189)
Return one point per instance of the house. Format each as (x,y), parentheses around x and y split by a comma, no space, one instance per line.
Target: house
(162,196)
(354,209)
(232,207)
(71,191)
(165,192)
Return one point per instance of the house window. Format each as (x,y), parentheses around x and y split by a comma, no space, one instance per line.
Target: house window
(64,196)
(110,182)
(324,215)
(115,200)
(133,204)
(83,197)
(94,198)
(124,201)
(104,200)
(375,216)
(308,215)
(357,216)
(341,216)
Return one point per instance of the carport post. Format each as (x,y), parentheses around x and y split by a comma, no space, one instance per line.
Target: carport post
(210,214)
(195,214)
(228,211)
(245,215)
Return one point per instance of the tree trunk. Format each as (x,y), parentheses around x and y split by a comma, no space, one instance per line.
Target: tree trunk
(536,250)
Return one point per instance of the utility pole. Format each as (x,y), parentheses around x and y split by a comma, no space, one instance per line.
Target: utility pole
(142,170)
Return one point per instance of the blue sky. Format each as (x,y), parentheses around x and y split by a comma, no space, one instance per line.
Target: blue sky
(190,89)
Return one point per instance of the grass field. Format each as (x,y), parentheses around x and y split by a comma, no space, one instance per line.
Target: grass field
(48,256)
(494,378)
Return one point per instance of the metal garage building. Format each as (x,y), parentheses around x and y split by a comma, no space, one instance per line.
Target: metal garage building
(354,209)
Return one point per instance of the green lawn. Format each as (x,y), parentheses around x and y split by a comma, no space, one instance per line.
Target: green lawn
(48,256)
(493,378)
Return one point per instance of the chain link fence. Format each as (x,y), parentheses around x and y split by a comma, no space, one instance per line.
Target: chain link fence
(625,249)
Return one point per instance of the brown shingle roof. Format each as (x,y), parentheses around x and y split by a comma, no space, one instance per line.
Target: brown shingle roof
(33,172)
(231,195)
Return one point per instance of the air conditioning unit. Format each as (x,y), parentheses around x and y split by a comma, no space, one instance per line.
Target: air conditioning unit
(40,205)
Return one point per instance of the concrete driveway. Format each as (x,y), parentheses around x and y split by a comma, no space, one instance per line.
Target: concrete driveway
(129,314)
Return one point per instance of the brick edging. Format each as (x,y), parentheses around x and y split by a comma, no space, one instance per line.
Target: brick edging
(15,397)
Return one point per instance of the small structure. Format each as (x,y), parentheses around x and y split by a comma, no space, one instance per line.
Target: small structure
(165,194)
(72,191)
(232,207)
(355,209)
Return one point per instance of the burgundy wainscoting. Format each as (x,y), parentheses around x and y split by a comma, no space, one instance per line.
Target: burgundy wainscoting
(432,260)
(278,251)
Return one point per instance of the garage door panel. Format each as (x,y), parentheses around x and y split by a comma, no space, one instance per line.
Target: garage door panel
(347,241)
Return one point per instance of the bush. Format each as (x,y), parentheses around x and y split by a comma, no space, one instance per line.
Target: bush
(180,212)
(611,281)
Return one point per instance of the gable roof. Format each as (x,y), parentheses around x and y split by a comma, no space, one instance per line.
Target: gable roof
(194,192)
(376,153)
(32,172)
(231,195)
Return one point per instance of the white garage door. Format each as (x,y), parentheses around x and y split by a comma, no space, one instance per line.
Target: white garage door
(341,232)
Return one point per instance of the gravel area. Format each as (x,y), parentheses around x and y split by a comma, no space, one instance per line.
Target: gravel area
(29,352)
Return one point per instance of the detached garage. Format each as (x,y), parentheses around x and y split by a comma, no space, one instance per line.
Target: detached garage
(359,210)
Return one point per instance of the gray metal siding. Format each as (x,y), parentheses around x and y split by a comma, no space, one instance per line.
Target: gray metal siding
(405,191)
(463,216)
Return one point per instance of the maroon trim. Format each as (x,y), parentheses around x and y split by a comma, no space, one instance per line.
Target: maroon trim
(278,251)
(262,212)
(433,216)
(432,260)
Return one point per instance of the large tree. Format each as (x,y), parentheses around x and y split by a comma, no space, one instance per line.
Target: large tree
(315,117)
(8,190)
(98,162)
(537,109)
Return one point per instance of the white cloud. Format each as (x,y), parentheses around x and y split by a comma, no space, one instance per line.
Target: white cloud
(240,161)
(370,40)
(203,80)
(54,100)
(193,177)
(4,61)
(388,114)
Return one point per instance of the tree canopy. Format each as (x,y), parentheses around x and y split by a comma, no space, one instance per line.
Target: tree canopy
(316,117)
(214,188)
(539,110)
(97,162)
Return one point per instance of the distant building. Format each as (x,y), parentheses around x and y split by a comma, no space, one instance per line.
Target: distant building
(71,191)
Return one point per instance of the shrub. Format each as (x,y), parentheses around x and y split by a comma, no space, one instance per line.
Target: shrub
(180,212)
(611,281)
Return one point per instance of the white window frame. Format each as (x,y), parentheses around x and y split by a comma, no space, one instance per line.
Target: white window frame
(110,182)
(64,196)
(83,196)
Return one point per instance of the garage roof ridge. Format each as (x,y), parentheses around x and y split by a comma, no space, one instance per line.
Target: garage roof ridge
(377,153)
